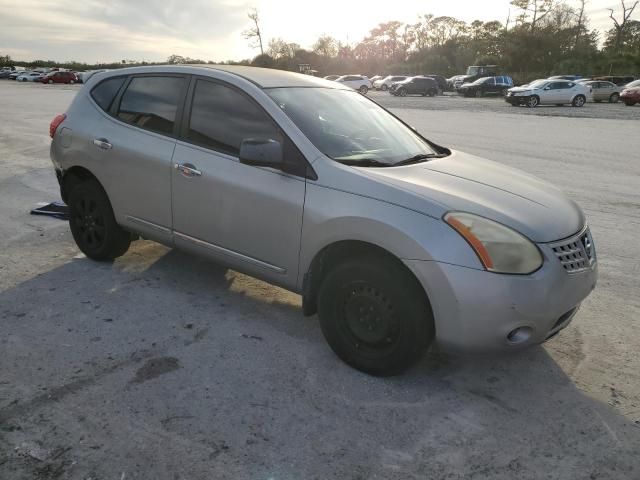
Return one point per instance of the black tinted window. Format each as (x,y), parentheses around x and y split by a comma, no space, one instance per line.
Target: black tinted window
(151,103)
(222,117)
(104,93)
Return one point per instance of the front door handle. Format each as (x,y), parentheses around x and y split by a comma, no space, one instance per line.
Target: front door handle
(187,169)
(102,143)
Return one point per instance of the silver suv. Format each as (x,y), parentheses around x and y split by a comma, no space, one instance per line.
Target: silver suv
(393,240)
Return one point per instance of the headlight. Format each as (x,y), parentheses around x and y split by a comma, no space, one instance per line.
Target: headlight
(499,248)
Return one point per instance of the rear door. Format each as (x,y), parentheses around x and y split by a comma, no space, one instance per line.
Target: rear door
(245,216)
(131,153)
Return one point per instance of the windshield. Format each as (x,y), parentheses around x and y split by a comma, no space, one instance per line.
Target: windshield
(635,83)
(348,127)
(538,84)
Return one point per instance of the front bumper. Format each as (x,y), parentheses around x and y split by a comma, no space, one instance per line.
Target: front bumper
(516,100)
(475,310)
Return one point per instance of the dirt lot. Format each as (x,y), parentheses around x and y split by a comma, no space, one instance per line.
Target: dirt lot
(162,366)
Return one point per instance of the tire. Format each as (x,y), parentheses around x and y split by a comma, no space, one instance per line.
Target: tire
(432,93)
(614,98)
(92,223)
(363,89)
(375,315)
(50,82)
(579,101)
(533,101)
(478,93)
(629,103)
(402,92)
(384,88)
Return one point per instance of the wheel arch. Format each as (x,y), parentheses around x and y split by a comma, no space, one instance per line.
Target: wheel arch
(332,254)
(71,176)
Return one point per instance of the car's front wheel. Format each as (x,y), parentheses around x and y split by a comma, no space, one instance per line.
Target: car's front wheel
(614,98)
(363,89)
(533,101)
(402,92)
(93,224)
(50,82)
(478,93)
(579,101)
(375,315)
(384,88)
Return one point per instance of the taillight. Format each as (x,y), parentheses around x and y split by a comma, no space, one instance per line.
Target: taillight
(55,123)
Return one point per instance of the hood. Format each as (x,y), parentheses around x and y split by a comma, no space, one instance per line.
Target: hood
(464,182)
(521,89)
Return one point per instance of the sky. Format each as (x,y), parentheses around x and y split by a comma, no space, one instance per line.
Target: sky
(113,30)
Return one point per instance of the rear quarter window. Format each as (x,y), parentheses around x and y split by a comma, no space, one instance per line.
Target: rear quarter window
(104,93)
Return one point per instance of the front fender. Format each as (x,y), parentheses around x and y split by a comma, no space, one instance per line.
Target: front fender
(332,216)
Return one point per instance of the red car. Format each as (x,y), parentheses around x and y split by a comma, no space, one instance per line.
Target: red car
(60,77)
(631,93)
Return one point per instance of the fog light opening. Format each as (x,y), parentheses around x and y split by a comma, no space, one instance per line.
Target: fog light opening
(519,335)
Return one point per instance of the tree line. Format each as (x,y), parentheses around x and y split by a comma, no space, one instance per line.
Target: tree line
(544,37)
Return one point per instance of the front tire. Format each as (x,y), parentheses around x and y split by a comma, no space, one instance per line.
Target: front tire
(533,101)
(403,92)
(363,89)
(478,93)
(614,98)
(375,315)
(50,82)
(93,224)
(384,88)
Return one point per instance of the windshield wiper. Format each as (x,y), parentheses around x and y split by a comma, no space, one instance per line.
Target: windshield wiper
(419,158)
(364,162)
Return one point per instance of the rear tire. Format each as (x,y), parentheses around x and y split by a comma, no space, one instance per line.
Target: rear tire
(93,224)
(579,101)
(375,315)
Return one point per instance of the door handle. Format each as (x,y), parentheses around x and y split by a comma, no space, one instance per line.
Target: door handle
(102,143)
(188,170)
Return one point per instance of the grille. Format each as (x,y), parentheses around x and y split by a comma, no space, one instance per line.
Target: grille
(577,253)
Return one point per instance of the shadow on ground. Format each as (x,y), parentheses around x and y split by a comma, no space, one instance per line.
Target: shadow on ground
(164,366)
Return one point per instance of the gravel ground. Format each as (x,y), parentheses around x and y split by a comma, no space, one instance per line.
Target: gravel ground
(162,366)
(450,101)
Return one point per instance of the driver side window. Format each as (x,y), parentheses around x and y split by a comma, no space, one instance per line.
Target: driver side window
(221,117)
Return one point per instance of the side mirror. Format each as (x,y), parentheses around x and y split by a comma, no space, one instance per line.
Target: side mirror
(262,152)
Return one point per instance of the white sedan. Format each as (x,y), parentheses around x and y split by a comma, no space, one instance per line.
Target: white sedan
(357,82)
(549,92)
(29,76)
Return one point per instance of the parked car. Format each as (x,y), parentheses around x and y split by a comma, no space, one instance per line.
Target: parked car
(549,92)
(486,86)
(29,77)
(630,95)
(392,239)
(15,74)
(59,77)
(474,72)
(357,82)
(5,73)
(332,77)
(375,78)
(440,80)
(414,86)
(384,83)
(601,90)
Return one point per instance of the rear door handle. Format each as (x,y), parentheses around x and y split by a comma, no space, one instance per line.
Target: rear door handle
(188,170)
(102,143)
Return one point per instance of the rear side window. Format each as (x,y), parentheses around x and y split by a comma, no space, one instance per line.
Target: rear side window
(221,118)
(151,103)
(104,93)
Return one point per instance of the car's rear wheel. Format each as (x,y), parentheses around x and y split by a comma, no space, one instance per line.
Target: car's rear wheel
(375,315)
(93,224)
(579,101)
(384,88)
(533,101)
(363,89)
(614,98)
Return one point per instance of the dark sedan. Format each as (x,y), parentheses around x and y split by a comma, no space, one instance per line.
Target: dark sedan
(486,86)
(416,86)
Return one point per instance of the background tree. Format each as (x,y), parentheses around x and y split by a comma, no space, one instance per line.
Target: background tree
(253,34)
(619,26)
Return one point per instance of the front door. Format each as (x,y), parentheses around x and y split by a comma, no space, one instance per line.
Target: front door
(247,217)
